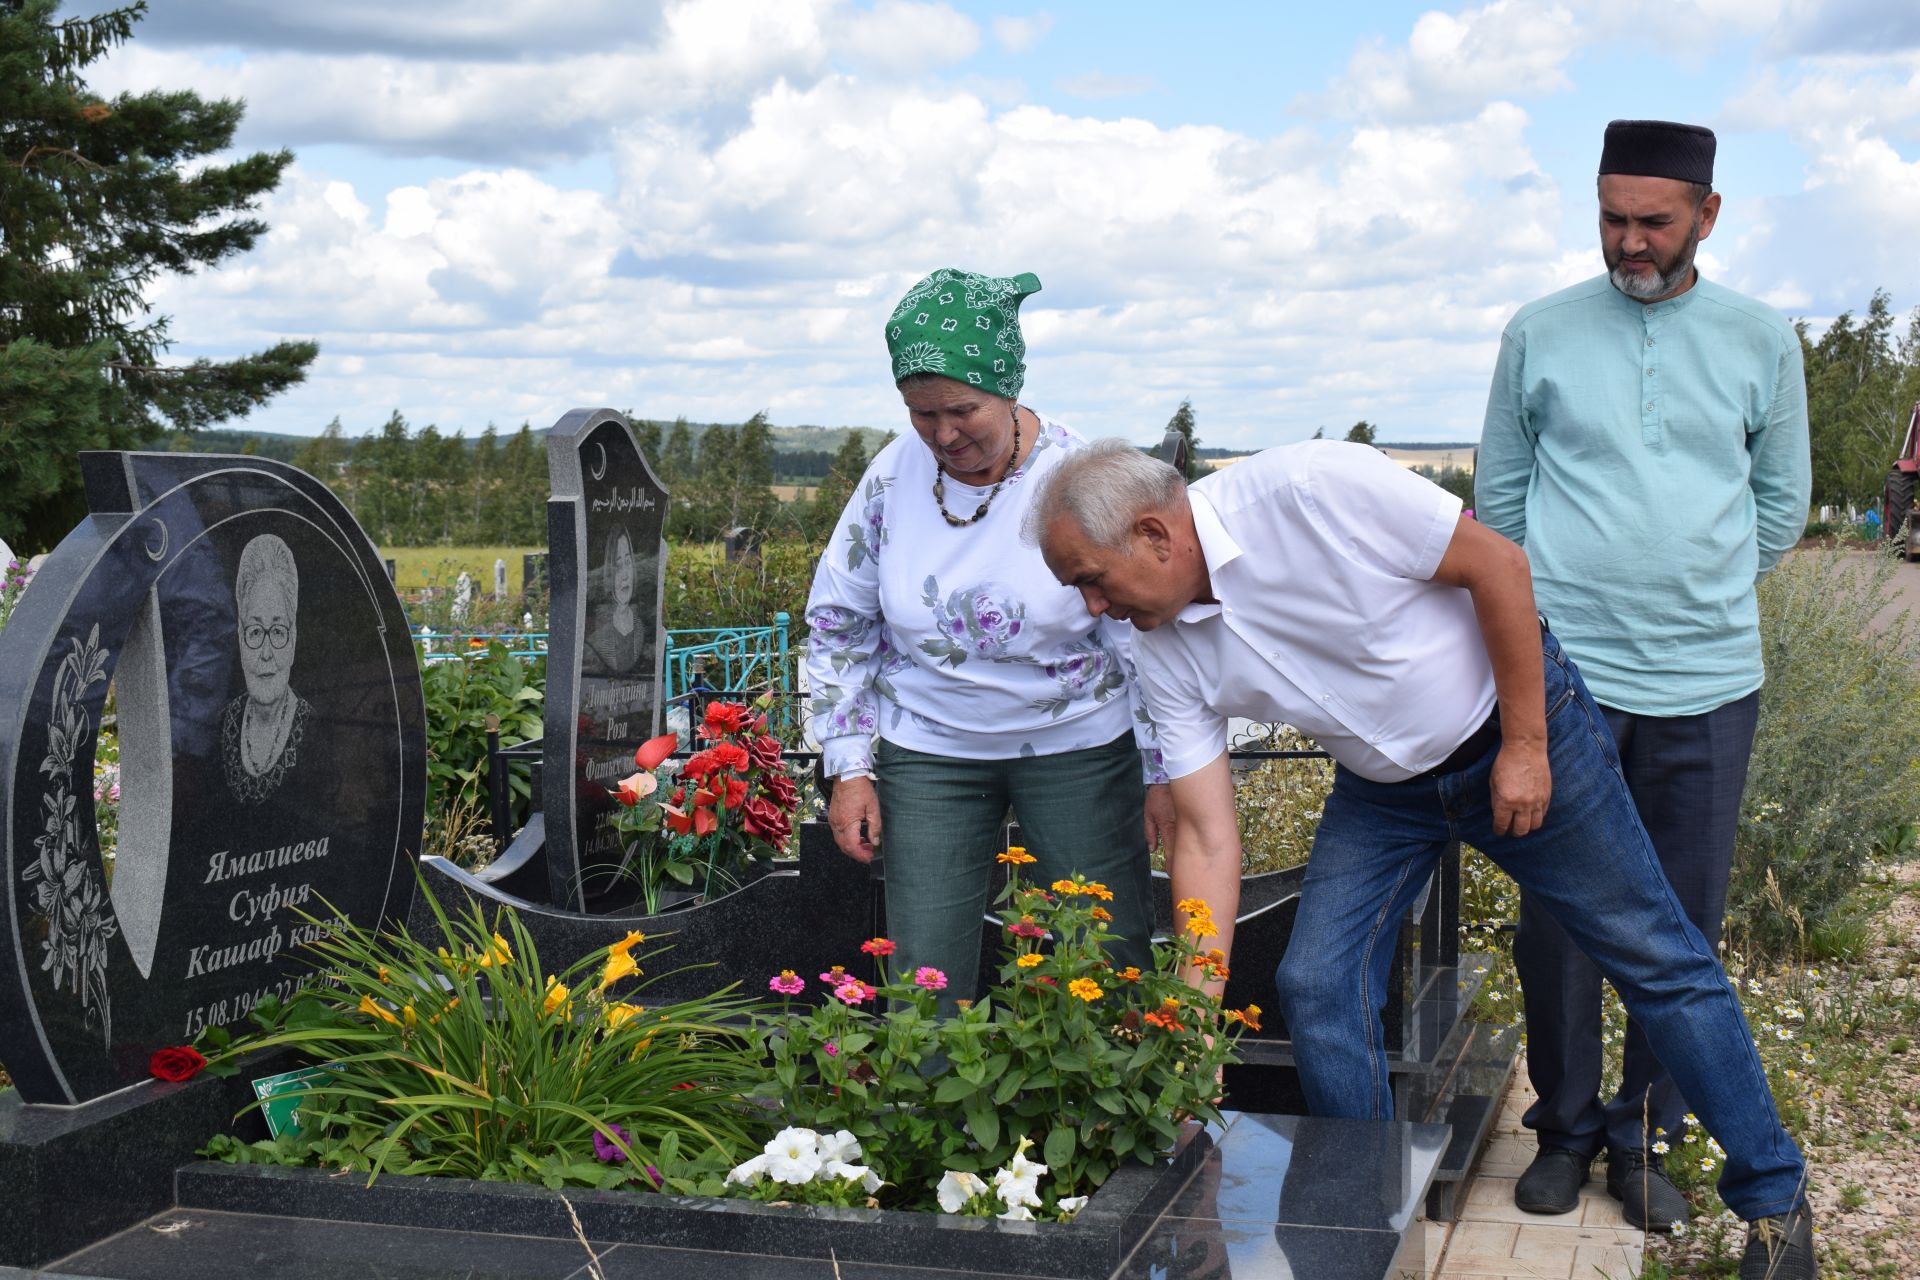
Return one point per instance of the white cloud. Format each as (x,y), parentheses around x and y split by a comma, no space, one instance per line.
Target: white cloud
(1452,65)
(1017,35)
(899,38)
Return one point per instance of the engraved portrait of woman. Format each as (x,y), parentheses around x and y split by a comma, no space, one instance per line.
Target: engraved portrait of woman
(262,730)
(615,637)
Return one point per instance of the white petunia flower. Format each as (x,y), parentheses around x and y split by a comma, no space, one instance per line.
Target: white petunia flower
(749,1172)
(1019,1213)
(1070,1205)
(839,1169)
(956,1189)
(839,1145)
(1016,1191)
(793,1155)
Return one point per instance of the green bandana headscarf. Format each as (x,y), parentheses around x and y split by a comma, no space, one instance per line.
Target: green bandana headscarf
(963,326)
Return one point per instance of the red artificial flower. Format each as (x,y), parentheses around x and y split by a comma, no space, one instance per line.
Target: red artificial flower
(730,754)
(767,821)
(736,792)
(780,788)
(679,796)
(180,1062)
(764,751)
(699,821)
(654,750)
(699,765)
(704,799)
(725,717)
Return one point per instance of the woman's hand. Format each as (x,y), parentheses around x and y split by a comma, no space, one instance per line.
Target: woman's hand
(1159,817)
(855,802)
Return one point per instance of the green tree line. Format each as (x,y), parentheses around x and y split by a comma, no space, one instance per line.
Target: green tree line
(1863,377)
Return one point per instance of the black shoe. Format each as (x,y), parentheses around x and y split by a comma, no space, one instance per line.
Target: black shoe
(1552,1182)
(1780,1248)
(1648,1199)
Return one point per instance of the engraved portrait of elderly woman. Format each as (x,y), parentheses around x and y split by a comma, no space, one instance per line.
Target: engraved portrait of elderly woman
(261,730)
(616,637)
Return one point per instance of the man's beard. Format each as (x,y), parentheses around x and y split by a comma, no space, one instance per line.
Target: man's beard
(1662,280)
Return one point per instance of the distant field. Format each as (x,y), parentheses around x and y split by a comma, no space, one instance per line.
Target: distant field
(1439,457)
(417,567)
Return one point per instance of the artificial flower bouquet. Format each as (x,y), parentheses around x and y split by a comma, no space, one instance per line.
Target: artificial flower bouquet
(1091,1065)
(728,805)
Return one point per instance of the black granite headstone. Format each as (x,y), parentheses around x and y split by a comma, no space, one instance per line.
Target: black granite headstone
(533,580)
(607,559)
(272,753)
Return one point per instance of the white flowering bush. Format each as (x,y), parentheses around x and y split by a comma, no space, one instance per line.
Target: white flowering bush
(1016,1192)
(802,1166)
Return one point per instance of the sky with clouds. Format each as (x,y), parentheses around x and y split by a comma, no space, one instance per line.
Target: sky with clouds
(1297,216)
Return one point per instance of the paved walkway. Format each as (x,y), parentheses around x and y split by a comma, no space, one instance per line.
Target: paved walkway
(1494,1239)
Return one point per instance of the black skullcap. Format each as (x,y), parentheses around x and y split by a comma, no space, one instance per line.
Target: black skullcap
(1658,149)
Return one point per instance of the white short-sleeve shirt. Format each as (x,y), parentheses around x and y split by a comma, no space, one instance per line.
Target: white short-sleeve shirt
(1321,556)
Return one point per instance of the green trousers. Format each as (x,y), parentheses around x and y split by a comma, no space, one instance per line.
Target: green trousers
(941,827)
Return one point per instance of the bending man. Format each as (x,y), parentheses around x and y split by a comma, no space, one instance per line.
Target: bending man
(1323,586)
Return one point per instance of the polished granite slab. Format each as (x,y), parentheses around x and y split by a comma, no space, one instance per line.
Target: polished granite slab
(1270,1197)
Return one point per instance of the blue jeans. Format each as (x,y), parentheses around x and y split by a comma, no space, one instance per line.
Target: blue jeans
(1592,866)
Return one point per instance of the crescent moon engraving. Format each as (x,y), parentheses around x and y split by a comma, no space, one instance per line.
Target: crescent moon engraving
(153,554)
(600,471)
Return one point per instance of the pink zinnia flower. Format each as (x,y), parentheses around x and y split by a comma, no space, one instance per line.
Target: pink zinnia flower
(833,1050)
(1026,929)
(878,946)
(787,983)
(930,978)
(853,991)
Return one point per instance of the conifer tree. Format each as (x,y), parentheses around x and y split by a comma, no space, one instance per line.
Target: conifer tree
(97,199)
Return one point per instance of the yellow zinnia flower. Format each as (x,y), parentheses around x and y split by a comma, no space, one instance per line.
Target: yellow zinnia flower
(1086,988)
(1067,886)
(1015,854)
(1099,891)
(1029,960)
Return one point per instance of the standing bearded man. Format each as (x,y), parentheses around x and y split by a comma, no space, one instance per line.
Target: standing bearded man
(1646,442)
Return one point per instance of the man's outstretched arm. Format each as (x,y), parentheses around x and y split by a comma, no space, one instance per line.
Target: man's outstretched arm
(1495,573)
(1205,859)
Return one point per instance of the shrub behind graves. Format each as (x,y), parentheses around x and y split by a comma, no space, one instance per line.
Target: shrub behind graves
(1833,768)
(460,694)
(704,590)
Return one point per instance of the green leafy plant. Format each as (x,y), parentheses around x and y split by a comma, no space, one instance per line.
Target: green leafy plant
(1093,1066)
(460,694)
(466,1059)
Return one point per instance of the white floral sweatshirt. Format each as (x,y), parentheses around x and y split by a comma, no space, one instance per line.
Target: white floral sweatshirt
(958,641)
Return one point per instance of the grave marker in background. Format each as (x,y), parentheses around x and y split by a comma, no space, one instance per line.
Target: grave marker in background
(499,581)
(605,522)
(273,759)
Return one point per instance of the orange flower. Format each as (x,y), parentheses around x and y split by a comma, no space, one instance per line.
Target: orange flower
(654,750)
(1193,907)
(1015,854)
(1202,927)
(369,1005)
(1129,974)
(1099,891)
(1066,886)
(1249,1018)
(1101,914)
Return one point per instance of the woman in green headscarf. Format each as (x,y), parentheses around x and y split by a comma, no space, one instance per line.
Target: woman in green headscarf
(938,630)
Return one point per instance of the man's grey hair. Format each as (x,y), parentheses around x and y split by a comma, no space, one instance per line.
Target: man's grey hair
(1104,488)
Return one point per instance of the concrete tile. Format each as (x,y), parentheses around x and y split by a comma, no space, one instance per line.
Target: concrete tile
(1613,1262)
(1601,1210)
(1484,1237)
(1546,1255)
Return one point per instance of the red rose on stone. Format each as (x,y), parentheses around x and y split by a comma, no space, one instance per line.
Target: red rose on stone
(764,751)
(180,1062)
(764,819)
(781,788)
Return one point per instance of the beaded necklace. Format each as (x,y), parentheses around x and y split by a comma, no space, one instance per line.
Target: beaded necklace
(940,482)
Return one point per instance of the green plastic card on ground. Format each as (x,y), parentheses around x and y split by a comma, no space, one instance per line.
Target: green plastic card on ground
(280,1097)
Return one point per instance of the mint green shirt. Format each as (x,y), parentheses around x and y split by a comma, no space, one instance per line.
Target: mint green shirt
(1652,460)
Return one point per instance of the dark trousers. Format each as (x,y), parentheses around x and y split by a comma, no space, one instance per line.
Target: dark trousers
(1686,774)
